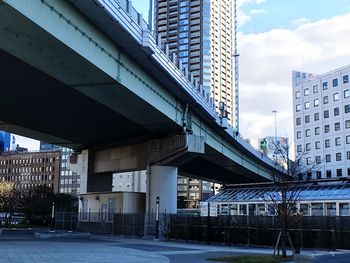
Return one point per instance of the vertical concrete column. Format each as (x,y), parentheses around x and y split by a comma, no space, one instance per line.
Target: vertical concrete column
(162,182)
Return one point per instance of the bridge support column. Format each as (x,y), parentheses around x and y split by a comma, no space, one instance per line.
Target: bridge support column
(161,182)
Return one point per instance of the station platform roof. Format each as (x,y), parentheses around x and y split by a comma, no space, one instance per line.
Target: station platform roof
(313,191)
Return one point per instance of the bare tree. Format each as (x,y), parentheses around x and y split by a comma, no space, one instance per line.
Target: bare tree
(289,186)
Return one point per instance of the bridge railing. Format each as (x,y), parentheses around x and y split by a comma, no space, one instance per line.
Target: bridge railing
(161,51)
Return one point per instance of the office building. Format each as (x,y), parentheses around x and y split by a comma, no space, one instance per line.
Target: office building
(29,169)
(322,123)
(7,142)
(69,182)
(199,33)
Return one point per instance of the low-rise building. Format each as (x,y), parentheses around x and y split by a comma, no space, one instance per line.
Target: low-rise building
(30,169)
(316,198)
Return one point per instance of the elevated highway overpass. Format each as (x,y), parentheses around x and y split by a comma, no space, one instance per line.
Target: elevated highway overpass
(88,75)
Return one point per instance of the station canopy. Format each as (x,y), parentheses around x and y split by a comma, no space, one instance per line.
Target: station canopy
(302,192)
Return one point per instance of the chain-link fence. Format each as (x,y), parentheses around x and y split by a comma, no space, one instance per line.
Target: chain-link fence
(305,232)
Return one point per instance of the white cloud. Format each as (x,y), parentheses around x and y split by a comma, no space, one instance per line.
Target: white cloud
(244,17)
(256,11)
(267,60)
(300,21)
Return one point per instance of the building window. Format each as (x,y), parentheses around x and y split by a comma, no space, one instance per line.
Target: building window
(298,134)
(183,34)
(347,108)
(299,149)
(185,3)
(183,47)
(316,116)
(326,128)
(183,16)
(338,156)
(327,143)
(335,82)
(346,93)
(318,159)
(325,100)
(347,124)
(317,130)
(326,114)
(336,96)
(307,118)
(315,88)
(297,94)
(347,138)
(183,54)
(306,92)
(298,121)
(325,85)
(336,111)
(318,174)
(308,146)
(348,155)
(308,161)
(337,126)
(328,158)
(308,175)
(317,145)
(307,132)
(339,172)
(329,173)
(316,102)
(307,105)
(337,141)
(345,79)
(298,107)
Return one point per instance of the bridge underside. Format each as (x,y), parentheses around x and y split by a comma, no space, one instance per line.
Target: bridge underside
(213,166)
(34,104)
(51,93)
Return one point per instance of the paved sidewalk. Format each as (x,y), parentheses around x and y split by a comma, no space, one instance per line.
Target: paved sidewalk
(94,251)
(108,249)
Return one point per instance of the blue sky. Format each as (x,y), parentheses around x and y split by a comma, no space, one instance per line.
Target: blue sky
(272,14)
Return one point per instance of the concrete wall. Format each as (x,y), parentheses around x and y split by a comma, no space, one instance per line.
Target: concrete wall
(113,202)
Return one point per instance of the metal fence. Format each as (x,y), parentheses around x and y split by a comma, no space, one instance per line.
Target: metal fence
(305,232)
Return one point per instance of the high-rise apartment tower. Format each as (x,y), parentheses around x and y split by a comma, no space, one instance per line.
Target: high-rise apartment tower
(199,32)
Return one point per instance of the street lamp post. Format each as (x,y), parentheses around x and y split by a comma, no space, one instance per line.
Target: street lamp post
(53,216)
(157,217)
